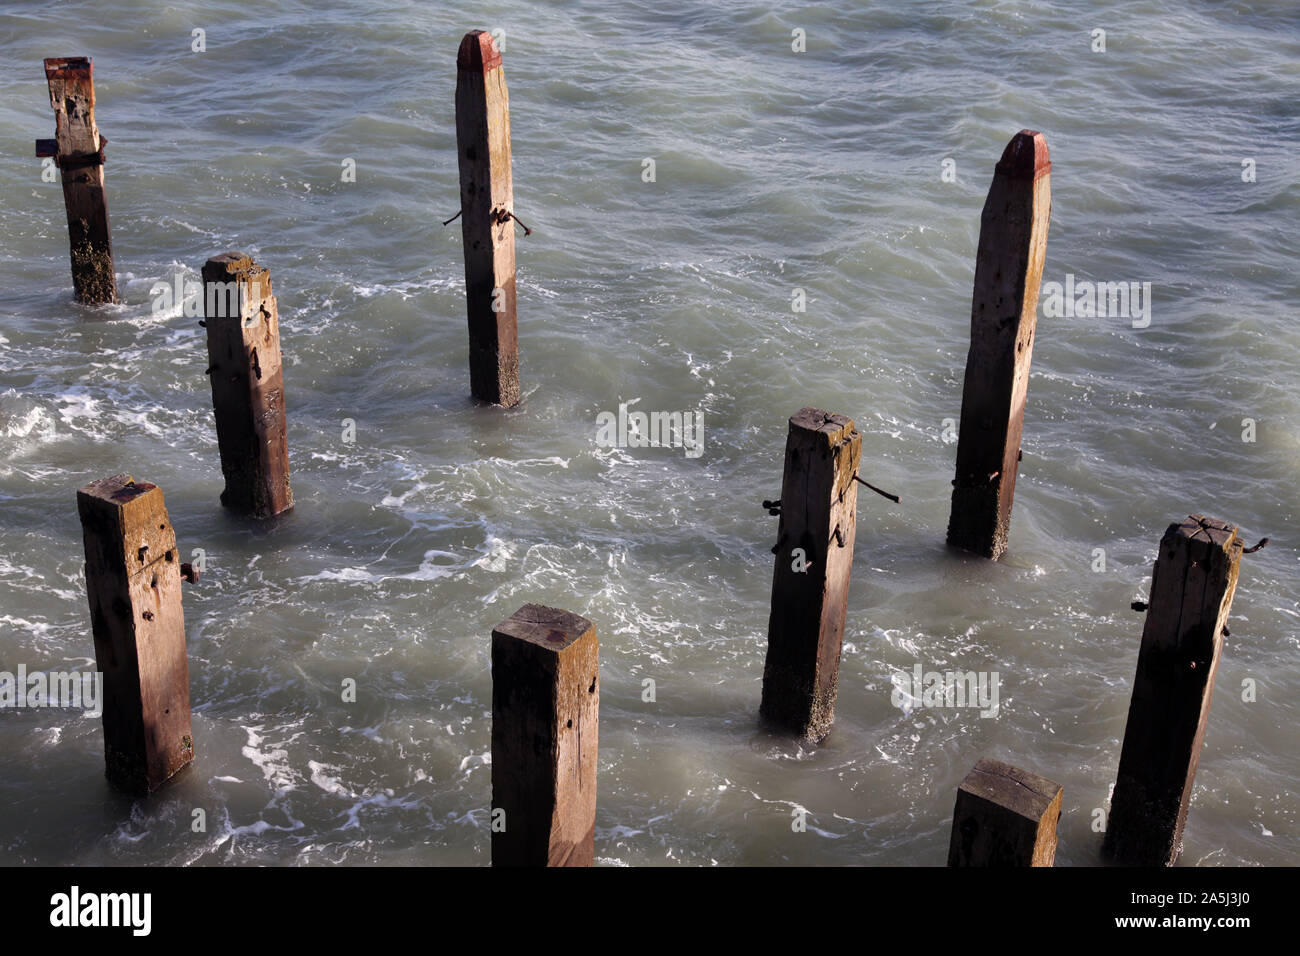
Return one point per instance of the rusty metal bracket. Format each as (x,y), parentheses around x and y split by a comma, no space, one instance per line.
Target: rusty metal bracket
(50,147)
(503,216)
(883,494)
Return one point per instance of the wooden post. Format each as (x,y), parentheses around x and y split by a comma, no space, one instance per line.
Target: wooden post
(545,716)
(78,150)
(487,227)
(1004,816)
(810,586)
(1192,586)
(133,580)
(247,384)
(1004,312)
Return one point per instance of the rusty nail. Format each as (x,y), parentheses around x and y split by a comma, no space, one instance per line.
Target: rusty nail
(527,231)
(883,494)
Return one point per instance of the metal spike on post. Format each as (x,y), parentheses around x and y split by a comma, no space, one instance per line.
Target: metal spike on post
(1192,587)
(1004,816)
(1004,313)
(78,151)
(133,581)
(545,723)
(487,219)
(810,584)
(244,366)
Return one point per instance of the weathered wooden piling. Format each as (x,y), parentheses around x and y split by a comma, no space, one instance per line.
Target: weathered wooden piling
(1004,816)
(1004,312)
(247,384)
(810,585)
(1192,587)
(487,219)
(545,718)
(78,151)
(133,580)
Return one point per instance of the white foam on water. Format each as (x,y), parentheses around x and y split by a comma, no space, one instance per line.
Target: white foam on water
(408,290)
(429,570)
(274,763)
(498,557)
(35,423)
(35,628)
(7,567)
(327,783)
(476,760)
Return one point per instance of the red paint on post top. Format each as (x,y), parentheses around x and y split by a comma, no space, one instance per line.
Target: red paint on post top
(132,490)
(1026,156)
(478,52)
(64,66)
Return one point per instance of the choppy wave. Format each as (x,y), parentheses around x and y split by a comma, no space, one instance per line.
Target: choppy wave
(775,171)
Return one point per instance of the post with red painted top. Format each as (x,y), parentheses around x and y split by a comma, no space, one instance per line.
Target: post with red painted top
(78,151)
(545,718)
(487,219)
(133,580)
(1004,311)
